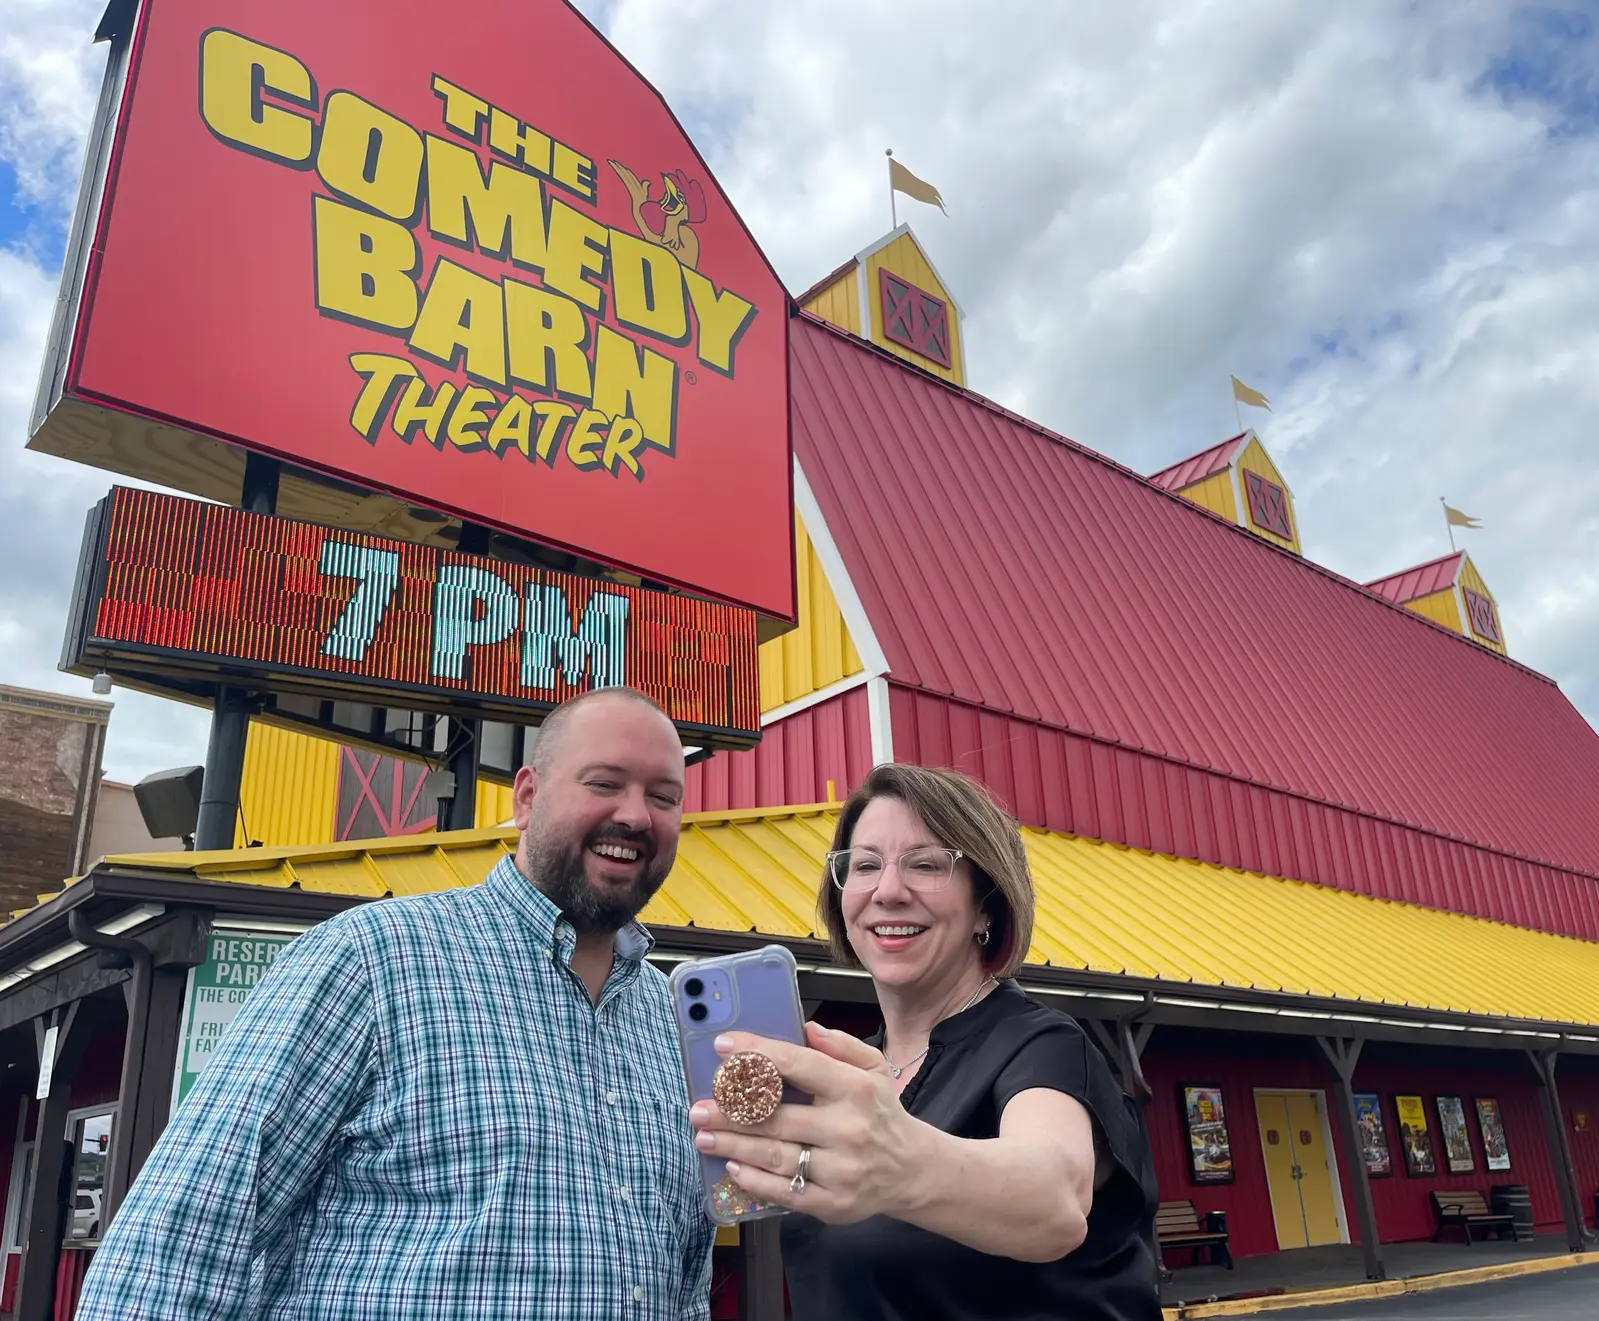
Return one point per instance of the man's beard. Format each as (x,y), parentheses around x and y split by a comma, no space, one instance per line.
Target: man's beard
(562,874)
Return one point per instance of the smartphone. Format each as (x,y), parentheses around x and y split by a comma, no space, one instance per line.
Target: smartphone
(754,991)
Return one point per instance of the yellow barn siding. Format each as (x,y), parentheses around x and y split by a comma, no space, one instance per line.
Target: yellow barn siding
(904,258)
(1472,581)
(1215,494)
(840,304)
(290,790)
(820,651)
(493,804)
(1440,607)
(290,787)
(1254,459)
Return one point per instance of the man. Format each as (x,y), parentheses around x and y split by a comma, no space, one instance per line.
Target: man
(459,1105)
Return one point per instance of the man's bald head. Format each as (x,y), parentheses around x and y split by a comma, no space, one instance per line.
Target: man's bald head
(553,730)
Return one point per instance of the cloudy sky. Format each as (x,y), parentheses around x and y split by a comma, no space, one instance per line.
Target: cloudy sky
(1385,216)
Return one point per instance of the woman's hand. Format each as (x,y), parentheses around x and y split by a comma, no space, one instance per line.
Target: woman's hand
(864,1147)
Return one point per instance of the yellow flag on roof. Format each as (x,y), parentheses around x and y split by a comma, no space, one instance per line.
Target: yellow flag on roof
(1244,395)
(1457,519)
(901,180)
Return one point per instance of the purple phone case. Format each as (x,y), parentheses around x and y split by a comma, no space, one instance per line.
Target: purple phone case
(756,991)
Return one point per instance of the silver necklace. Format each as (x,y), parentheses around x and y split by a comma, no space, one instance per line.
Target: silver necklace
(898,1069)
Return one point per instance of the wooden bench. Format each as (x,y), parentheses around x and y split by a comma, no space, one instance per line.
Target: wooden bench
(1468,1211)
(1178,1225)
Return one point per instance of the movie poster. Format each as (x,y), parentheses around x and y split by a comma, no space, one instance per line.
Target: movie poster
(1494,1145)
(1414,1137)
(1373,1135)
(1209,1147)
(1457,1141)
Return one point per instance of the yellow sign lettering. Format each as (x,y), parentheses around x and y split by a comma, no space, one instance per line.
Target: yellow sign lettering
(364,267)
(551,416)
(573,171)
(369,156)
(647,283)
(468,413)
(586,434)
(412,413)
(383,378)
(234,71)
(723,319)
(622,442)
(547,336)
(512,425)
(502,216)
(633,381)
(519,142)
(462,111)
(577,245)
(462,320)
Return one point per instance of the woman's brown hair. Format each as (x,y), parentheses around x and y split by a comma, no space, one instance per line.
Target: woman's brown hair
(960,814)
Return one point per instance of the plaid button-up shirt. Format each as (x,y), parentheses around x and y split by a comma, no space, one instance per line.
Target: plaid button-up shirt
(419,1113)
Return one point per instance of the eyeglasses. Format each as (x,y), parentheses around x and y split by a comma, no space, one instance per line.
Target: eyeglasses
(925,868)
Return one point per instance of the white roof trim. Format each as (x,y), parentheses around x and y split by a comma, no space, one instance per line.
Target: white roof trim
(849,604)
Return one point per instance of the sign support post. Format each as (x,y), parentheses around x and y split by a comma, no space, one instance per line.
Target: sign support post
(459,810)
(230,719)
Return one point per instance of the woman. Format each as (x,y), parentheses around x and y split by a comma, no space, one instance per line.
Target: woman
(976,1160)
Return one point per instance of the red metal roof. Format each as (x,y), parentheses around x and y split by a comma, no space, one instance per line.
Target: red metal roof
(1423,580)
(1207,463)
(827,281)
(1007,567)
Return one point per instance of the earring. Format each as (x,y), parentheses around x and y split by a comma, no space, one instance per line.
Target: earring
(982,936)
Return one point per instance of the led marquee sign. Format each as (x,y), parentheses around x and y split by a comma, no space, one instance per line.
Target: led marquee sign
(170,587)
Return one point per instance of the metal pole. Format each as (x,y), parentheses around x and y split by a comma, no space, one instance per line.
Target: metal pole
(1543,1064)
(1343,1056)
(761,1280)
(230,717)
(224,769)
(459,811)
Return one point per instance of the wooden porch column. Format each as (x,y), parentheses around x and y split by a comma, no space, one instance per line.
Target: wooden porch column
(1123,1044)
(761,1279)
(43,1227)
(1543,1064)
(1342,1055)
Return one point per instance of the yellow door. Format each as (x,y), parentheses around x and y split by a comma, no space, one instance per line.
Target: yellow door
(1299,1172)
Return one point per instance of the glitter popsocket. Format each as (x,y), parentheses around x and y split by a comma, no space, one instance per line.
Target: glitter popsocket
(747,1087)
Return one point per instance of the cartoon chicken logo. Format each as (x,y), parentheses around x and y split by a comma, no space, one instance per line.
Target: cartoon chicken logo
(666,222)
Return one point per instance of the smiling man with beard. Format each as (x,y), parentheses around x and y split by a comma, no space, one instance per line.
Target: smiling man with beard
(459,1105)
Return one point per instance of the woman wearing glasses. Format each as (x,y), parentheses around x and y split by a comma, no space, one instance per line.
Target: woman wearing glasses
(976,1159)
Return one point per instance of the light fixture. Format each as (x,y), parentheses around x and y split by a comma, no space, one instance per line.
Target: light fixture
(102,684)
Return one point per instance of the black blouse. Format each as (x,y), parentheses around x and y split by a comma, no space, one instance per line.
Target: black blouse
(886,1270)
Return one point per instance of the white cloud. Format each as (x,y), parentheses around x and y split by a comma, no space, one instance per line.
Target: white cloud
(1329,201)
(49,79)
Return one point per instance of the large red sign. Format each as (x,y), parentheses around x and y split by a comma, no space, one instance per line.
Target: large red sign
(173,587)
(464,256)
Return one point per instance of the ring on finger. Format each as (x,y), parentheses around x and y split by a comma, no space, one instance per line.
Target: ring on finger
(802,1168)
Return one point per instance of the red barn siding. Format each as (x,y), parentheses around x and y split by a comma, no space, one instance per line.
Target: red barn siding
(1403,1208)
(1579,1096)
(1063,781)
(793,762)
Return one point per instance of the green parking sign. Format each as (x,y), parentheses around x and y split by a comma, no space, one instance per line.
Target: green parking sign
(235,962)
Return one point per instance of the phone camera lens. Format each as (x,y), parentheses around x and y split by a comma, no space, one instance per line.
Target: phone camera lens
(694,988)
(698,1012)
